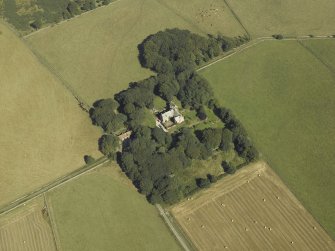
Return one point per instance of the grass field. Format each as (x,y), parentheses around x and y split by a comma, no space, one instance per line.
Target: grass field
(43,132)
(97,52)
(299,17)
(286,99)
(324,50)
(102,211)
(26,228)
(251,210)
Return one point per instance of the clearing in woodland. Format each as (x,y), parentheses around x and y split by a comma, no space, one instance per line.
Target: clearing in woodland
(97,52)
(251,210)
(287,17)
(102,211)
(43,132)
(285,97)
(27,228)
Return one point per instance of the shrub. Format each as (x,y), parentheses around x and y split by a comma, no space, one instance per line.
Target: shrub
(278,36)
(89,159)
(228,168)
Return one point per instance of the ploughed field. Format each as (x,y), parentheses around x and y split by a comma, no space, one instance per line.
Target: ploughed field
(43,132)
(101,210)
(285,97)
(97,53)
(250,210)
(27,228)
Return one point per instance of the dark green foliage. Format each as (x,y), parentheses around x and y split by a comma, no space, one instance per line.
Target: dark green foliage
(212,178)
(104,114)
(201,113)
(152,158)
(37,24)
(195,92)
(138,95)
(89,159)
(161,138)
(228,168)
(73,8)
(226,140)
(167,86)
(211,138)
(203,182)
(106,2)
(175,50)
(278,36)
(108,144)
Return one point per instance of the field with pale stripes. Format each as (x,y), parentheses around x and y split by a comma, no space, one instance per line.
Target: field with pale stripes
(26,229)
(251,210)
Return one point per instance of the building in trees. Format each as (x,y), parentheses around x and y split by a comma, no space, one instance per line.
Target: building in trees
(171,116)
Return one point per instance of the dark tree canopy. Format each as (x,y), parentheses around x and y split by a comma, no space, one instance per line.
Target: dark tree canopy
(195,92)
(108,144)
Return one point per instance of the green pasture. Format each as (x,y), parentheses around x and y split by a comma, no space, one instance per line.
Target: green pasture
(97,54)
(291,18)
(285,97)
(101,211)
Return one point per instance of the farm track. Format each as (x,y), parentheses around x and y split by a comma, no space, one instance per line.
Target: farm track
(179,237)
(58,182)
(257,41)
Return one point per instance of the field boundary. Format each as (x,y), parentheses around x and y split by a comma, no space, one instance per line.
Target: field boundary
(255,42)
(237,18)
(67,20)
(316,56)
(52,224)
(52,185)
(182,239)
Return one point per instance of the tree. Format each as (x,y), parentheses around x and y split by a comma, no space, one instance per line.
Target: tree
(201,113)
(108,144)
(37,24)
(226,140)
(73,8)
(212,178)
(196,92)
(103,112)
(202,182)
(89,159)
(167,87)
(211,138)
(228,168)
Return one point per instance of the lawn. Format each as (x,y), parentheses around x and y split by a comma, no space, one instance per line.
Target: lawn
(97,52)
(43,132)
(286,99)
(298,17)
(102,211)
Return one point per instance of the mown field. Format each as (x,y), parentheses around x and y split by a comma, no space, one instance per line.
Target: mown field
(286,99)
(292,18)
(43,132)
(97,52)
(26,228)
(251,210)
(102,211)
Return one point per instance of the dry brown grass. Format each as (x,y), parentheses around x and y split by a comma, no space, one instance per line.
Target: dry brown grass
(251,210)
(43,132)
(26,229)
